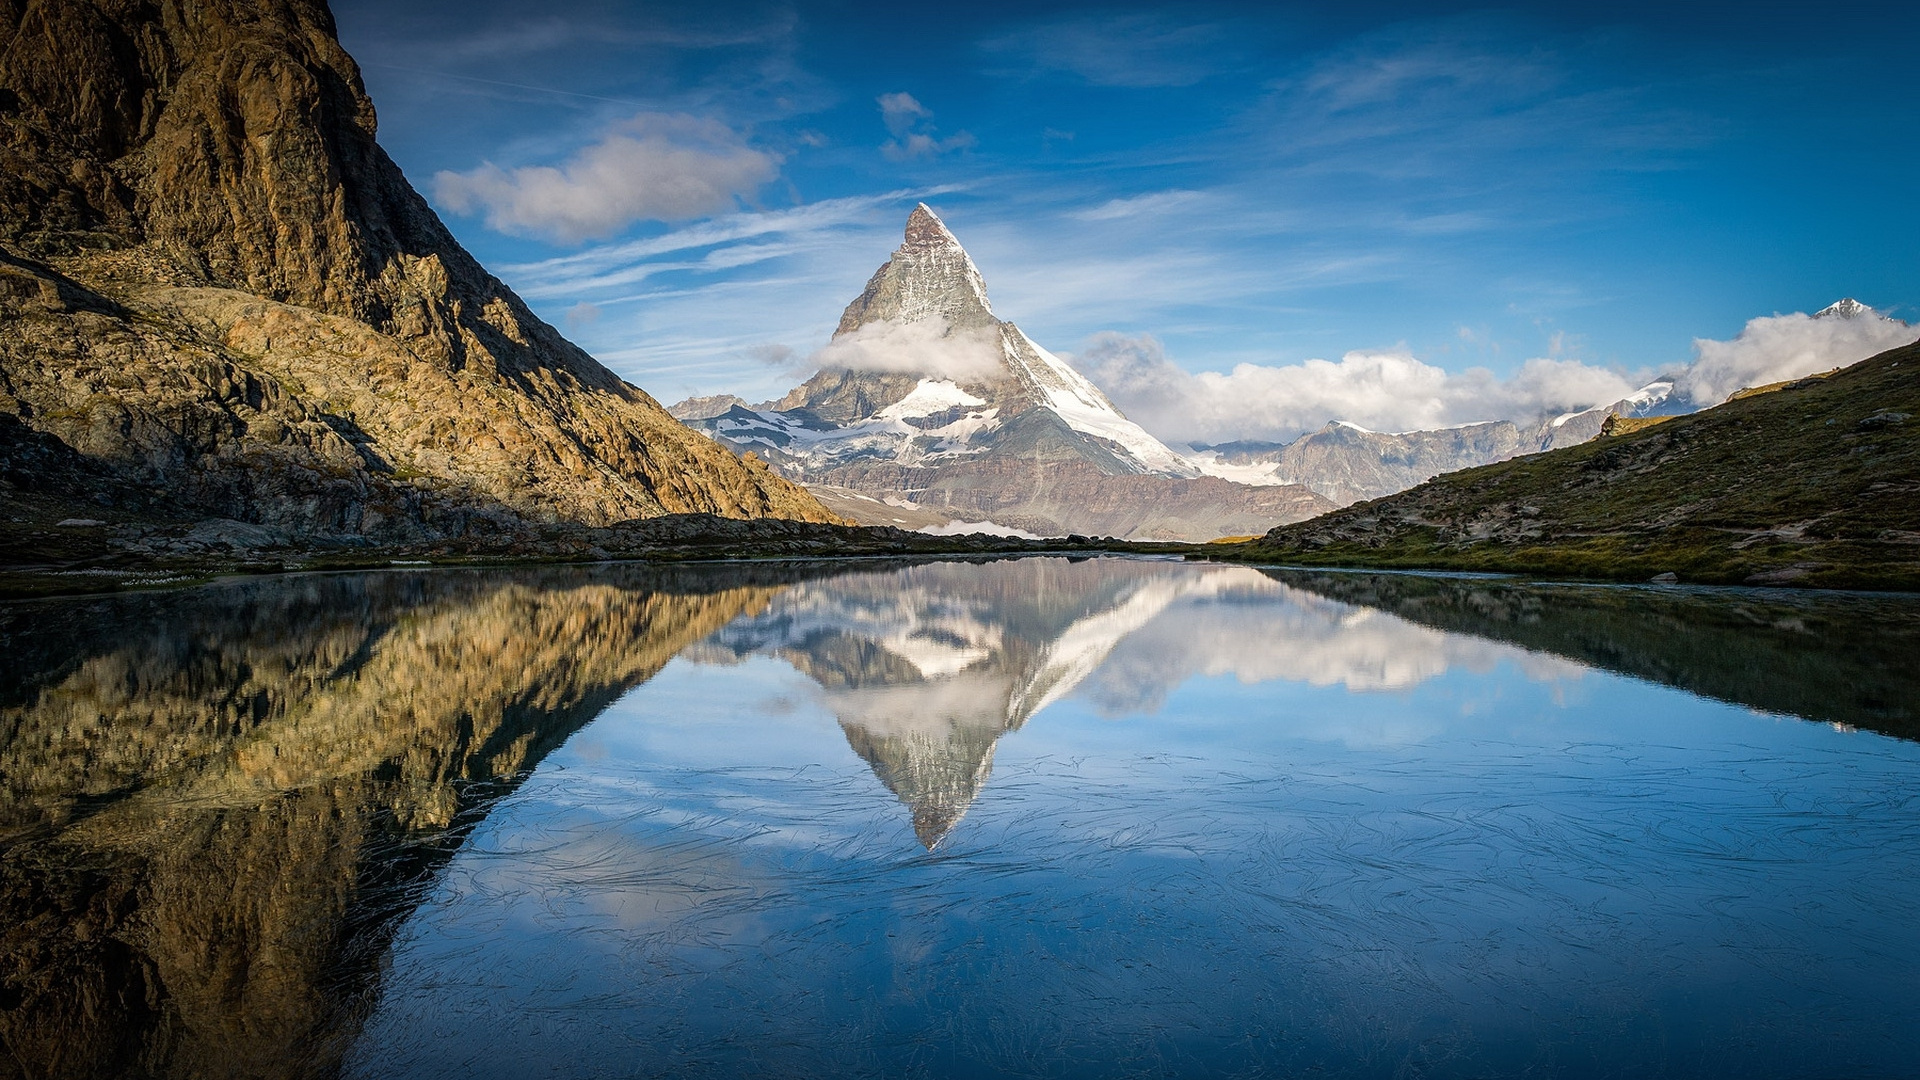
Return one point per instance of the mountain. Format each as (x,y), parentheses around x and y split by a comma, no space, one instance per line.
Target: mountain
(926,398)
(1845,308)
(1816,483)
(1348,463)
(221,298)
(927,667)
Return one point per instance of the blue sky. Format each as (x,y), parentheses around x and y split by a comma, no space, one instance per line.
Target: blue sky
(693,192)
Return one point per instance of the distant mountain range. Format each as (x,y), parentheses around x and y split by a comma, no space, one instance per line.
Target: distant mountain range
(1348,463)
(926,404)
(1816,482)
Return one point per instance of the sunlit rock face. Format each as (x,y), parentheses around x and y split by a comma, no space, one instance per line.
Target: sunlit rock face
(222,298)
(218,808)
(926,399)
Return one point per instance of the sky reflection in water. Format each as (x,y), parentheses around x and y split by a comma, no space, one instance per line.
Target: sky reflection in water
(1110,818)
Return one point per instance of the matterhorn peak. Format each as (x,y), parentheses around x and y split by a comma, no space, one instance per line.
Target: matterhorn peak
(925,229)
(1844,308)
(928,276)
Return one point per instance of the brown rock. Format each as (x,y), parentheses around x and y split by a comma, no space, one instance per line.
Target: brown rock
(214,282)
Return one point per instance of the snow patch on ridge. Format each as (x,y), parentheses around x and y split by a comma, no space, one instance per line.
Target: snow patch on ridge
(1075,400)
(929,397)
(1258,474)
(1634,404)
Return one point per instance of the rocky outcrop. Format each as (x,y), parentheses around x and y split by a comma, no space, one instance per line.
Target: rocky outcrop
(216,286)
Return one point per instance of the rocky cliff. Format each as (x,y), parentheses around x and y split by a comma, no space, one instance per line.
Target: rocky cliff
(221,298)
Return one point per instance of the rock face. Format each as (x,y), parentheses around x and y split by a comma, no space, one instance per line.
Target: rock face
(926,398)
(221,295)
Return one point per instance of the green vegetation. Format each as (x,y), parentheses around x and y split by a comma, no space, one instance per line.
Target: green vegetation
(1816,483)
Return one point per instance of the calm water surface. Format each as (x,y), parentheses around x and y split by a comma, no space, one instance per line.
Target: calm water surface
(1041,818)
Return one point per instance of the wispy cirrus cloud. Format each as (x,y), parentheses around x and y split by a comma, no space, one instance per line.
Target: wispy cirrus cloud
(724,242)
(1141,50)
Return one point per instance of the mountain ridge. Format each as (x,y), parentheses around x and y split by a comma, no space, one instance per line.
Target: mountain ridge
(221,292)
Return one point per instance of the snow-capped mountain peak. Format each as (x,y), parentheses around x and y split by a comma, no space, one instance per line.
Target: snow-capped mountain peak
(930,275)
(1844,308)
(927,405)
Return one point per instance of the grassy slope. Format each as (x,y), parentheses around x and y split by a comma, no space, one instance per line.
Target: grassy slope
(1812,484)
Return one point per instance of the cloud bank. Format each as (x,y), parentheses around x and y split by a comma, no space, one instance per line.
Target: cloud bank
(922,347)
(1385,391)
(653,167)
(1780,347)
(1394,391)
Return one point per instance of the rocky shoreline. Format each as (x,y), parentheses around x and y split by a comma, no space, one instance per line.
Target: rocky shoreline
(79,555)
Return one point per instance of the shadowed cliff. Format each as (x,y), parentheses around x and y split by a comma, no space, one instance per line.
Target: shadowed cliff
(218,290)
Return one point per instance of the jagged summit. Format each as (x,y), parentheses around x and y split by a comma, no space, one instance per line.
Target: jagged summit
(929,275)
(1844,308)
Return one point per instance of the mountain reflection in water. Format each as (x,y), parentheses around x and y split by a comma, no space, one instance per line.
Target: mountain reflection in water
(218,805)
(220,800)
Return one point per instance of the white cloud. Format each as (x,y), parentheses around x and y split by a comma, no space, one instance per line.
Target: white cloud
(1780,347)
(910,124)
(900,112)
(652,167)
(582,315)
(830,223)
(1159,202)
(1382,390)
(922,347)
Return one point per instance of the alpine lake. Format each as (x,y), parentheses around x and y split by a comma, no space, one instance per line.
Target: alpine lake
(1040,817)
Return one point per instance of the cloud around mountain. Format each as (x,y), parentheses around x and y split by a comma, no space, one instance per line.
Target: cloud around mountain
(1385,391)
(1395,391)
(923,347)
(1780,347)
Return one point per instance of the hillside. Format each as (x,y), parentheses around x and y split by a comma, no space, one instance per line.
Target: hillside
(221,299)
(1817,483)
